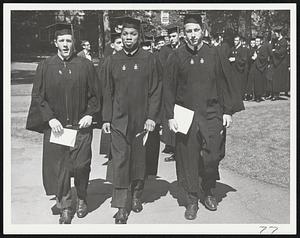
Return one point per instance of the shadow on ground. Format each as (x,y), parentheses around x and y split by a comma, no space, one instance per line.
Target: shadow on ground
(22,77)
(220,192)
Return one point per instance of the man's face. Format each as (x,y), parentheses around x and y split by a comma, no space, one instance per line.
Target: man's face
(147,48)
(64,44)
(174,38)
(167,40)
(237,41)
(252,43)
(277,34)
(129,37)
(257,42)
(160,44)
(87,46)
(118,44)
(193,33)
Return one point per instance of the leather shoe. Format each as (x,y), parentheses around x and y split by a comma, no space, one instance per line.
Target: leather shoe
(210,203)
(191,211)
(121,216)
(170,158)
(66,216)
(81,208)
(136,205)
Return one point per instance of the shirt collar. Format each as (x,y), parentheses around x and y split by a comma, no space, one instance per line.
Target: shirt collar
(130,53)
(63,59)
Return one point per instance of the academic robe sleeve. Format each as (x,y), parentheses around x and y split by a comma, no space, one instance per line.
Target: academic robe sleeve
(262,59)
(108,91)
(40,112)
(280,52)
(241,60)
(227,85)
(170,85)
(155,91)
(93,105)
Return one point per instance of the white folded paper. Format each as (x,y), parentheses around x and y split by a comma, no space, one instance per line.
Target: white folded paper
(67,138)
(183,117)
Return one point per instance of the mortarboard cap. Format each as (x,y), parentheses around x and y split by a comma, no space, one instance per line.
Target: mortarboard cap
(63,29)
(193,18)
(260,36)
(130,22)
(159,38)
(114,36)
(278,29)
(145,43)
(172,28)
(148,37)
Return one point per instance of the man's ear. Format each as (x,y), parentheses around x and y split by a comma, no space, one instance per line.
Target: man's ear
(55,43)
(112,45)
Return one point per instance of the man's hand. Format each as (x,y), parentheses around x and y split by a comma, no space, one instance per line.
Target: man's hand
(227,120)
(56,126)
(106,127)
(85,122)
(173,125)
(254,56)
(232,59)
(149,125)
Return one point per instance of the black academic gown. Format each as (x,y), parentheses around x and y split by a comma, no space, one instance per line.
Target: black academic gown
(258,71)
(132,95)
(195,80)
(280,66)
(168,137)
(67,91)
(239,66)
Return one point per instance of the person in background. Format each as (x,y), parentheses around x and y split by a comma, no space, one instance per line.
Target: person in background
(64,95)
(238,61)
(86,50)
(259,66)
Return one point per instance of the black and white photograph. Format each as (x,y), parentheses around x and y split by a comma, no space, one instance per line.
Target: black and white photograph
(149,118)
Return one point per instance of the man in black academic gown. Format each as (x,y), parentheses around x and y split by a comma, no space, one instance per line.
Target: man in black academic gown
(168,136)
(194,80)
(64,96)
(131,106)
(238,60)
(280,64)
(257,72)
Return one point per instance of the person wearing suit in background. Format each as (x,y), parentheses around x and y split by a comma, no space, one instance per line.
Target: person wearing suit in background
(86,50)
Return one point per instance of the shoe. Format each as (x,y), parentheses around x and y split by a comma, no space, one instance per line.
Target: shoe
(121,216)
(269,97)
(210,203)
(274,98)
(168,149)
(66,216)
(191,211)
(170,158)
(136,205)
(81,208)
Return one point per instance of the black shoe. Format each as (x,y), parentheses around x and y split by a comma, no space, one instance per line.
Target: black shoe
(66,216)
(121,216)
(81,208)
(136,205)
(191,211)
(170,158)
(168,149)
(210,203)
(269,97)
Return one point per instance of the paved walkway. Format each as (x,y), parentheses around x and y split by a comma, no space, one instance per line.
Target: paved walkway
(241,200)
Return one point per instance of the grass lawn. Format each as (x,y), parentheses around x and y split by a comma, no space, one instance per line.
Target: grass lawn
(258,144)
